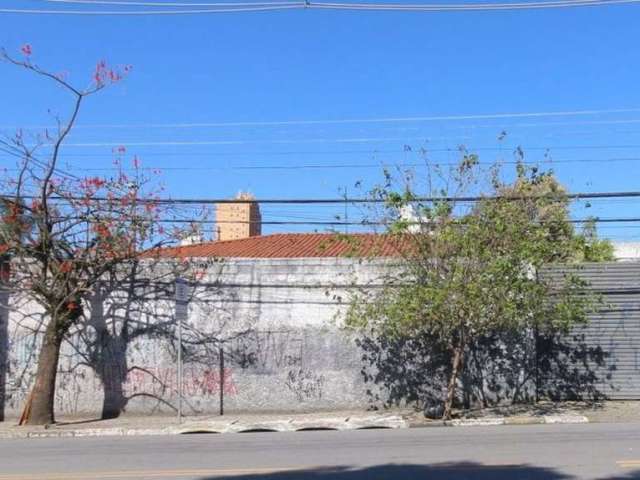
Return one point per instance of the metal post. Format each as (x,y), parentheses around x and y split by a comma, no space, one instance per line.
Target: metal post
(182,304)
(179,319)
(221,381)
(536,359)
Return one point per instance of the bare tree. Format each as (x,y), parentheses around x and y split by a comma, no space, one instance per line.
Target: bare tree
(65,233)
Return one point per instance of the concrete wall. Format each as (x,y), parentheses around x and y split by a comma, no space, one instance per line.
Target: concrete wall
(626,251)
(277,322)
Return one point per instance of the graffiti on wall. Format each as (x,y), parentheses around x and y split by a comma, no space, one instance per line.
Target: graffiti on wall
(162,382)
(149,373)
(267,351)
(305,384)
(19,368)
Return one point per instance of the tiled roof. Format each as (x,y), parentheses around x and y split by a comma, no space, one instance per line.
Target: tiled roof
(291,245)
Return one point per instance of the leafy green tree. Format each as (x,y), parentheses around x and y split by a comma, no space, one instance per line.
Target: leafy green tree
(470,273)
(590,248)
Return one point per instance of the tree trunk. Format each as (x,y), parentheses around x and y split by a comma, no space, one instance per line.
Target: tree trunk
(456,366)
(39,407)
(5,274)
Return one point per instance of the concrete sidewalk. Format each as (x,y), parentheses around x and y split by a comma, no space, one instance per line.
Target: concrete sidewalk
(611,411)
(541,413)
(523,414)
(232,423)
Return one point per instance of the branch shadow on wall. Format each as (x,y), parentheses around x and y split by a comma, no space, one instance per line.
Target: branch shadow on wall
(440,471)
(414,371)
(130,317)
(504,369)
(570,368)
(119,316)
(406,370)
(634,475)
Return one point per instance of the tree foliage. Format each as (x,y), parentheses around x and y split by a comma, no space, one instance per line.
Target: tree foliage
(469,273)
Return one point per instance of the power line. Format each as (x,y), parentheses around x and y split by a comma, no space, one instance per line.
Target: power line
(371,152)
(347,152)
(369,222)
(22,11)
(328,201)
(329,166)
(547,124)
(416,7)
(343,166)
(417,118)
(189,143)
(15,152)
(362,222)
(167,4)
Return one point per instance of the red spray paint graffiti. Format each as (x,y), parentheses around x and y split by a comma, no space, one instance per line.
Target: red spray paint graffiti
(196,382)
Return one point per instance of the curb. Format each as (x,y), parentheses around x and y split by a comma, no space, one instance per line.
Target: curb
(521,420)
(286,425)
(292,425)
(496,421)
(565,419)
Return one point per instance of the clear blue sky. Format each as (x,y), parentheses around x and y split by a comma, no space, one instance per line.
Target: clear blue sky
(321,65)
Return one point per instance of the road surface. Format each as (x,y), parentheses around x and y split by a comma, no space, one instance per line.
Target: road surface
(589,451)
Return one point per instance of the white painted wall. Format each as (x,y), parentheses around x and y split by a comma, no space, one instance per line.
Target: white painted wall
(626,251)
(279,320)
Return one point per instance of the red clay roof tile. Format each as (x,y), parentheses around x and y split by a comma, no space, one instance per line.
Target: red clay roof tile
(291,245)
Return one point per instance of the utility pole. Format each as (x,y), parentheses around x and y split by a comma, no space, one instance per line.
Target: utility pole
(180,380)
(180,315)
(221,379)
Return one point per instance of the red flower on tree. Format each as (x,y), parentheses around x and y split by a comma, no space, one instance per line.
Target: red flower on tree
(69,238)
(66,266)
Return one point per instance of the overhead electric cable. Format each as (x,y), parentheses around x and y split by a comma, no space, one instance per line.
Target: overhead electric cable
(306,4)
(169,4)
(424,149)
(327,201)
(151,12)
(465,6)
(416,118)
(367,222)
(329,166)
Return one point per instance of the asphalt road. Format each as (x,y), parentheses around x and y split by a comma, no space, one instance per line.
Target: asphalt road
(589,451)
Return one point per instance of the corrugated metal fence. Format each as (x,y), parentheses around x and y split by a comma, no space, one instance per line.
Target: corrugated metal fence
(603,357)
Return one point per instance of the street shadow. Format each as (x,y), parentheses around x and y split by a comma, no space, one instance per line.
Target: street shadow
(439,471)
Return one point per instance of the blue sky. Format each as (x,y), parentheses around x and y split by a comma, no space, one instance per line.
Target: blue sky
(323,65)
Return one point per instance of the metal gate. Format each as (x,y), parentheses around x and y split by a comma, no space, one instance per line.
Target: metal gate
(606,352)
